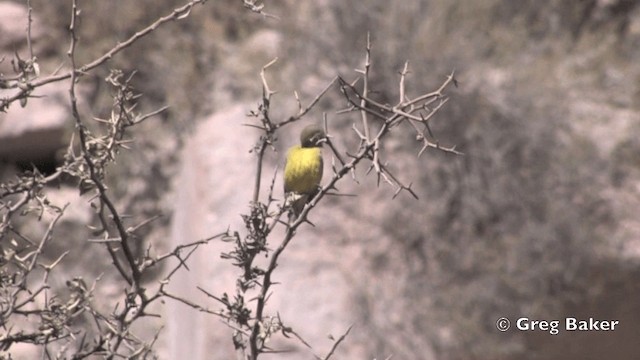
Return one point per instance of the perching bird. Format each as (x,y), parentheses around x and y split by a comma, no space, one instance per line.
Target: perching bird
(303,171)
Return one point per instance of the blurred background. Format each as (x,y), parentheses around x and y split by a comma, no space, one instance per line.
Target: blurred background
(537,219)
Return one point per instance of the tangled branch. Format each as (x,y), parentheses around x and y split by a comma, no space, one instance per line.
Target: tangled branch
(253,327)
(54,321)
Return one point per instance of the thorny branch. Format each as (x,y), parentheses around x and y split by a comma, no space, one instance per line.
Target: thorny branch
(257,6)
(60,323)
(252,326)
(28,79)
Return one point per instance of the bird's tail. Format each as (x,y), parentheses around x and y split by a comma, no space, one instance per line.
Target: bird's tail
(295,203)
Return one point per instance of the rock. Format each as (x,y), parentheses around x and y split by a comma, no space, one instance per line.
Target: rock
(13,26)
(313,292)
(35,132)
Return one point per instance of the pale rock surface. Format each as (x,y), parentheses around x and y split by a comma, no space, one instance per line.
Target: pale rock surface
(316,270)
(34,132)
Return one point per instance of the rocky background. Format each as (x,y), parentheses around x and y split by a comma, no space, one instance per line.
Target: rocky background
(538,219)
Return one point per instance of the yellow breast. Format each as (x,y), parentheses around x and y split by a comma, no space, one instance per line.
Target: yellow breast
(303,171)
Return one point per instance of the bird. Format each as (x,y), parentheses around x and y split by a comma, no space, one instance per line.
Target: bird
(303,170)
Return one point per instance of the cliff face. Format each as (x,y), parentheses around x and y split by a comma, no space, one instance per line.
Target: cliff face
(32,135)
(520,225)
(537,219)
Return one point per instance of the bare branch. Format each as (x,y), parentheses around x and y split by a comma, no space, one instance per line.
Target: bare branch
(337,343)
(303,111)
(24,91)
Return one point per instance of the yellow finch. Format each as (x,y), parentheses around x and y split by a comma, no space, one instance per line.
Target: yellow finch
(303,171)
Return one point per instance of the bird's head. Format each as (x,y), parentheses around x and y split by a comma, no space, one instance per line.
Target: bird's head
(312,136)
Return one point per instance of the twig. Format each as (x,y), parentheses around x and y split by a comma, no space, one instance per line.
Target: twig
(82,132)
(303,111)
(267,126)
(365,90)
(337,342)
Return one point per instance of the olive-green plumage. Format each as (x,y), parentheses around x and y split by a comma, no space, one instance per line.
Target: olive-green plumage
(303,171)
